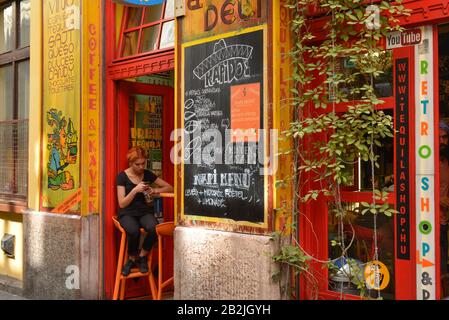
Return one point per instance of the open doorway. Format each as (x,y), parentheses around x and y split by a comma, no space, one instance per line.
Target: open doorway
(443,68)
(146,119)
(143,115)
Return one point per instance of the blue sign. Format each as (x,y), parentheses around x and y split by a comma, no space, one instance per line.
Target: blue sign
(140,2)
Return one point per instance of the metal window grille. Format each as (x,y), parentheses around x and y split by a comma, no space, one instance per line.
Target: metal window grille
(14,159)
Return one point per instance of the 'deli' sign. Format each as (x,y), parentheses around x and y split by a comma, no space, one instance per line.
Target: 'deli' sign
(139,2)
(212,17)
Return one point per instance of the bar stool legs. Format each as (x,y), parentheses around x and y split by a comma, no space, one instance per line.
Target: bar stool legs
(119,262)
(120,280)
(163,230)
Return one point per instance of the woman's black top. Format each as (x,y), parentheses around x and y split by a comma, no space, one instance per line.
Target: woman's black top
(138,206)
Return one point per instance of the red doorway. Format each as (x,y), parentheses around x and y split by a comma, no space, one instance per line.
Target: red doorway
(121,133)
(318,221)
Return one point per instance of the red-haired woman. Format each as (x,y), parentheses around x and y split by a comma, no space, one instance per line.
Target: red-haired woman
(134,212)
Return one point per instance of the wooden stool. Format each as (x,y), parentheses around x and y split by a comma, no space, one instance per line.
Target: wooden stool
(120,280)
(165,229)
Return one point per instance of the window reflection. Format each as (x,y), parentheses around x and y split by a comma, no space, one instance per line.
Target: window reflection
(6,28)
(149,39)
(383,83)
(134,17)
(169,9)
(358,172)
(6,129)
(362,250)
(153,13)
(130,43)
(23,88)
(25,7)
(6,93)
(168,35)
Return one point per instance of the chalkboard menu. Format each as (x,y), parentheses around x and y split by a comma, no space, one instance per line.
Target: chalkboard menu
(224,95)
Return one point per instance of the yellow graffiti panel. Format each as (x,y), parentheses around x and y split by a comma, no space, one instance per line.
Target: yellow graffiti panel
(61,101)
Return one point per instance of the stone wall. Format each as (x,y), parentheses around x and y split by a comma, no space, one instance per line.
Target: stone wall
(61,256)
(220,265)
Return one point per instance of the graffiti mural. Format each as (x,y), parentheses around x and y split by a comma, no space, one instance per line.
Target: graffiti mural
(63,150)
(61,100)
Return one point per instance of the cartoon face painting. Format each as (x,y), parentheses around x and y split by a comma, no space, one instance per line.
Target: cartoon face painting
(62,146)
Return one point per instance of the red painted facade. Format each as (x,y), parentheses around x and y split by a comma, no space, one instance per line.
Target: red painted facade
(116,134)
(424,12)
(315,239)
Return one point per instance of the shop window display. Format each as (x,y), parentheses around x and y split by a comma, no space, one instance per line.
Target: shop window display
(361,227)
(349,270)
(359,172)
(383,83)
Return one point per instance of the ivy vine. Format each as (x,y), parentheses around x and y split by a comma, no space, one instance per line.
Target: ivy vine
(327,141)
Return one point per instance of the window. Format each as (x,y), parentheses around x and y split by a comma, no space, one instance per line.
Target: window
(359,172)
(14,99)
(358,190)
(147,29)
(361,228)
(383,83)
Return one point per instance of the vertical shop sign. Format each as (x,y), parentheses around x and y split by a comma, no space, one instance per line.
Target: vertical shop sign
(91,45)
(61,101)
(402,156)
(425,168)
(283,199)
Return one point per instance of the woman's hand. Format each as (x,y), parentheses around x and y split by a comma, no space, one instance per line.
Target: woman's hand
(152,190)
(141,187)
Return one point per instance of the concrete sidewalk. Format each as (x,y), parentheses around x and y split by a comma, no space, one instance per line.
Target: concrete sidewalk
(9,296)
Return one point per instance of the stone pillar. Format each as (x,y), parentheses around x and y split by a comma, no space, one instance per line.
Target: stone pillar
(219,265)
(61,256)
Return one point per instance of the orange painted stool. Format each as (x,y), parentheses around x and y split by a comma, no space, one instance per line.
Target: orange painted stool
(120,280)
(165,229)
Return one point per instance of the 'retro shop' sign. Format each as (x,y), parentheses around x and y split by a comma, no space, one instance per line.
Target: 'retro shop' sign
(405,38)
(139,2)
(425,168)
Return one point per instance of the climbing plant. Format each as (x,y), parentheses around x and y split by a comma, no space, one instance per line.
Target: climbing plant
(328,142)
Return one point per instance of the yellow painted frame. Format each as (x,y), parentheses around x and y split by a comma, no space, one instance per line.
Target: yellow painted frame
(91,73)
(35,110)
(282,112)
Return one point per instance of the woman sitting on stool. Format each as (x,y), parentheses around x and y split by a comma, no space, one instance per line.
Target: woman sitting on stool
(133,186)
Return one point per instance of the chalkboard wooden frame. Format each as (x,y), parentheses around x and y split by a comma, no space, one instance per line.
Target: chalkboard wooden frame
(239,215)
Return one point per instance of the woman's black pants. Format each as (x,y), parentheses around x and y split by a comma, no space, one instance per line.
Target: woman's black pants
(132,227)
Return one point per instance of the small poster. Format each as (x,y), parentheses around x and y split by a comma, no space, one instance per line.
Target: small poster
(245,111)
